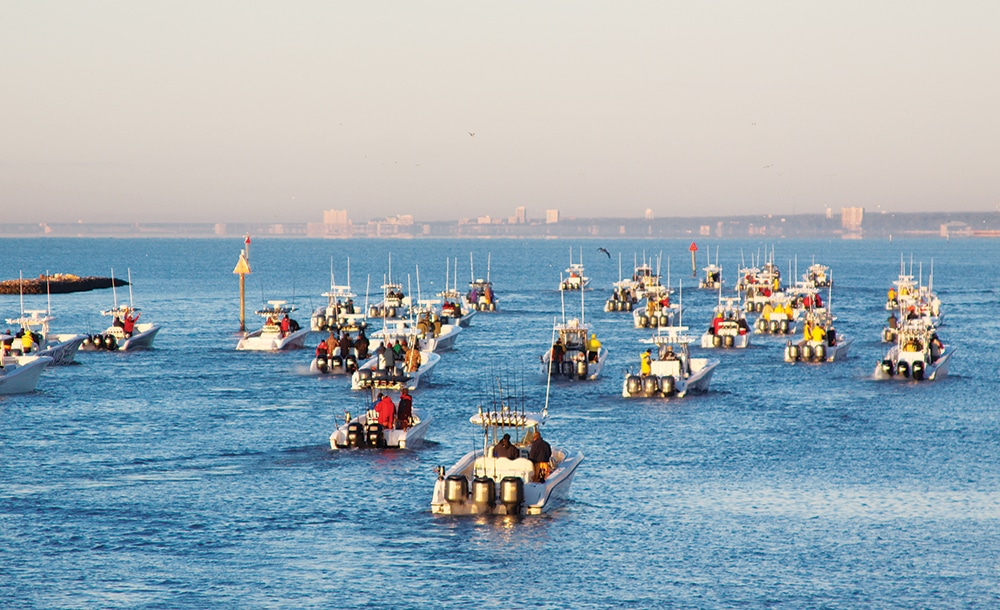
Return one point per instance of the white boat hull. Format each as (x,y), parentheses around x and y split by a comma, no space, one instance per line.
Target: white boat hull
(368,375)
(411,438)
(443,342)
(818,351)
(679,385)
(21,376)
(142,338)
(260,341)
(571,369)
(935,369)
(538,497)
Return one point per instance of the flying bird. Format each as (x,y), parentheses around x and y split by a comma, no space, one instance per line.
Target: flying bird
(472,134)
(604,251)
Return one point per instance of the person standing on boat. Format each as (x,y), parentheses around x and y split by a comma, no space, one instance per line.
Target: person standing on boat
(412,362)
(645,363)
(386,411)
(540,453)
(558,350)
(361,345)
(321,349)
(593,348)
(404,411)
(345,344)
(506,449)
(128,324)
(285,325)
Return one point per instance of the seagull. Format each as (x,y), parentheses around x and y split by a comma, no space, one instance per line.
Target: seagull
(472,134)
(604,251)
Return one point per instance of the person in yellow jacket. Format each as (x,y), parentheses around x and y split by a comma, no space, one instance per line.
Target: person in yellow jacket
(766,311)
(807,330)
(26,342)
(818,334)
(593,348)
(645,363)
(789,311)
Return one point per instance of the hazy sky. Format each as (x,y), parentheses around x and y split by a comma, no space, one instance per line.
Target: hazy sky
(275,111)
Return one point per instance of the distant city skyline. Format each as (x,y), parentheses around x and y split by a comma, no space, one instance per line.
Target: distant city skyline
(226,112)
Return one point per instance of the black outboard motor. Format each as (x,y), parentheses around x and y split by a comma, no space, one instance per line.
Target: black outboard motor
(336,362)
(887,367)
(456,489)
(484,494)
(98,341)
(918,370)
(321,363)
(650,385)
(633,385)
(351,364)
(729,340)
(110,343)
(668,385)
(512,494)
(355,435)
(903,367)
(374,435)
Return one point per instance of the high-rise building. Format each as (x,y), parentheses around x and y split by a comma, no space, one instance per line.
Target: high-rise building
(851,218)
(520,215)
(335,217)
(551,216)
(649,214)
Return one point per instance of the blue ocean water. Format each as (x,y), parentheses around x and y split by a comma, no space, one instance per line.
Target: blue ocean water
(196,476)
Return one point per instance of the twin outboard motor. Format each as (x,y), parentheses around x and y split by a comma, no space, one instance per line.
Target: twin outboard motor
(355,435)
(374,435)
(512,494)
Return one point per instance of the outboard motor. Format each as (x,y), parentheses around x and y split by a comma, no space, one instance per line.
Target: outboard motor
(716,340)
(664,320)
(336,362)
(887,367)
(650,385)
(820,352)
(493,306)
(456,489)
(643,321)
(633,385)
(759,307)
(567,368)
(351,364)
(918,370)
(903,368)
(391,313)
(331,322)
(99,341)
(554,368)
(374,435)
(807,352)
(321,323)
(668,385)
(321,363)
(784,326)
(729,340)
(512,494)
(761,325)
(355,435)
(110,343)
(484,492)
(775,327)
(581,369)
(793,351)
(654,321)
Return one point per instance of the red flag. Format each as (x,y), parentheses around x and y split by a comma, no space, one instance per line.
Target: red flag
(247,240)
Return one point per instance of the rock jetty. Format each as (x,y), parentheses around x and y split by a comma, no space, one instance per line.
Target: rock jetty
(59,283)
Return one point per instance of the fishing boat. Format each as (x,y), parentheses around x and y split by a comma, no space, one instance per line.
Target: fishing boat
(574,278)
(670,371)
(125,333)
(729,327)
(574,351)
(339,311)
(376,372)
(394,303)
(909,298)
(428,330)
(276,335)
(449,303)
(822,344)
(777,317)
(622,292)
(918,354)
(484,482)
(818,275)
(19,375)
(365,432)
(61,348)
(712,276)
(340,355)
(480,296)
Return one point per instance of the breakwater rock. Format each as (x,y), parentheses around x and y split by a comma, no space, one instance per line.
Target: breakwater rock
(59,283)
